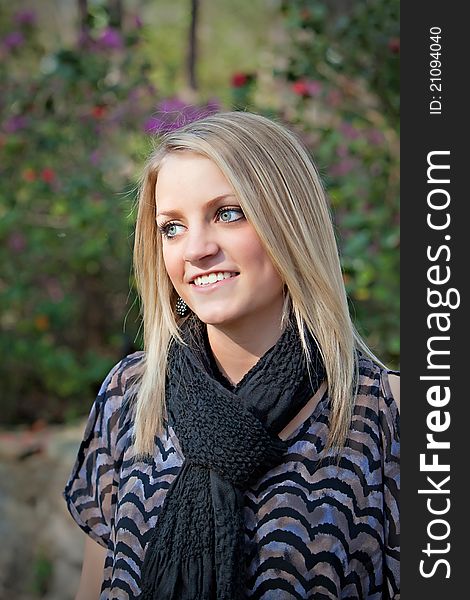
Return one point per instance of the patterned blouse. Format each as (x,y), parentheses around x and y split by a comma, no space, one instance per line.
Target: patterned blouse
(314,529)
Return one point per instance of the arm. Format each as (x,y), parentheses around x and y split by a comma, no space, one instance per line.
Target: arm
(394,381)
(92,571)
(389,410)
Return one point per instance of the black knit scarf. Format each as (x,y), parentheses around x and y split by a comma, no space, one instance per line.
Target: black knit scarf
(229,439)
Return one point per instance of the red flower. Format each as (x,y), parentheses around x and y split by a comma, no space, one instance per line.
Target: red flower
(239,79)
(48,175)
(98,111)
(394,45)
(300,88)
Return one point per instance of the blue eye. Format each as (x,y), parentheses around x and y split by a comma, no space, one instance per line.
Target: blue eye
(224,214)
(168,230)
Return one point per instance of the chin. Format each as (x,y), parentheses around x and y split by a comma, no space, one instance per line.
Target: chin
(216,317)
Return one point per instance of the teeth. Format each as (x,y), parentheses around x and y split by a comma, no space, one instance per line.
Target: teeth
(213,277)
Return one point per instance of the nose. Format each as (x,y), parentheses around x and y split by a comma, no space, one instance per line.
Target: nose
(200,244)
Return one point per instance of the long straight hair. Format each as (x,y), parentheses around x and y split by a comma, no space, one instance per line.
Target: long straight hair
(280,192)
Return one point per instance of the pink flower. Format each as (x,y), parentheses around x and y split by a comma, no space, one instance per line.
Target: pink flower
(54,289)
(173,113)
(110,38)
(13,40)
(16,123)
(349,131)
(95,157)
(25,18)
(375,137)
(314,87)
(17,241)
(343,167)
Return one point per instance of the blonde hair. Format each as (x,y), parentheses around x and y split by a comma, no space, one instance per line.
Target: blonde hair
(281,194)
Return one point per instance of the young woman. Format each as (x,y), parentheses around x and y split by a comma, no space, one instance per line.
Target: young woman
(252,449)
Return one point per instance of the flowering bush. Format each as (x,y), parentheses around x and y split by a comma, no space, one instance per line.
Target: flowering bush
(341,96)
(344,71)
(74,126)
(72,129)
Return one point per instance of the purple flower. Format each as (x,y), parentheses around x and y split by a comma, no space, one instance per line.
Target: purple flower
(54,289)
(343,167)
(25,18)
(17,241)
(95,157)
(314,87)
(138,22)
(110,38)
(155,125)
(171,104)
(349,131)
(213,105)
(13,40)
(173,113)
(14,124)
(375,137)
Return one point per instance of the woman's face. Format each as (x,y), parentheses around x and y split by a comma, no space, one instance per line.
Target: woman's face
(212,254)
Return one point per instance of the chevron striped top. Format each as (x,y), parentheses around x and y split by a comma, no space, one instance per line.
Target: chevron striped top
(314,529)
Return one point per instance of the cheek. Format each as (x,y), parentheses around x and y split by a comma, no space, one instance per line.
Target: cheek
(256,256)
(173,265)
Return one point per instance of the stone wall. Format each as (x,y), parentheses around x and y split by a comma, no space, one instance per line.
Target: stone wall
(41,546)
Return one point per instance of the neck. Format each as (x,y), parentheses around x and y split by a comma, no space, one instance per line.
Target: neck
(238,349)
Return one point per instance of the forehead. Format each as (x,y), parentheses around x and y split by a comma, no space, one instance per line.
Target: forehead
(186,177)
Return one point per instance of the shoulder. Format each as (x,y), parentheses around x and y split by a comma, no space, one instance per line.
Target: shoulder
(373,375)
(90,491)
(124,373)
(110,415)
(378,383)
(394,381)
(120,380)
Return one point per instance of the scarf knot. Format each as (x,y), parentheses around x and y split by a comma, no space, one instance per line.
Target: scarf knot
(229,439)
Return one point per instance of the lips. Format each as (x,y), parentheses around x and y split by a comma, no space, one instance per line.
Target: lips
(218,284)
(213,277)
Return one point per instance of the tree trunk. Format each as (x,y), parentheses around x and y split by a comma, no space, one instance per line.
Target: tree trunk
(115,13)
(192,54)
(84,34)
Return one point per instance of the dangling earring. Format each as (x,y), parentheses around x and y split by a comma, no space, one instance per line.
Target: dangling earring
(181,307)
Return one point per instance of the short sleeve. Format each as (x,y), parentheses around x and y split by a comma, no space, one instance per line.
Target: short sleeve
(91,491)
(390,437)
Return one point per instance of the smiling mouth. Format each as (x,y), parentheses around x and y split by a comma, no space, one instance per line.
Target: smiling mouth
(206,280)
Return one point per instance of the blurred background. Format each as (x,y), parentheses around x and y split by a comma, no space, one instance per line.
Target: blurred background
(85,87)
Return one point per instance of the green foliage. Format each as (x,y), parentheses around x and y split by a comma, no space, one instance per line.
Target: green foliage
(341,95)
(72,141)
(71,123)
(344,71)
(72,137)
(43,570)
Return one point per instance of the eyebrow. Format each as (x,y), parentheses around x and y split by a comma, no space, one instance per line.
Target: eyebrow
(176,213)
